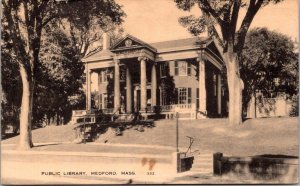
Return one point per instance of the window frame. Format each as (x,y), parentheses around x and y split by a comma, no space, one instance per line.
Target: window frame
(184,92)
(163,69)
(188,68)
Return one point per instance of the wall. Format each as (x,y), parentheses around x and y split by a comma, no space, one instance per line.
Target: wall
(264,168)
(269,107)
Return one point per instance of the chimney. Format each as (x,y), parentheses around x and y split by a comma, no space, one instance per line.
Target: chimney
(106,41)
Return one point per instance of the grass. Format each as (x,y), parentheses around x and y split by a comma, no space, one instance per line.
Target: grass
(253,137)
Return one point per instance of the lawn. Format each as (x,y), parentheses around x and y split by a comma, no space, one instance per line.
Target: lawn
(253,137)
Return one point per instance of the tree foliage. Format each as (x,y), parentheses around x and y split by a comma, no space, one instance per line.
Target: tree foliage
(220,19)
(25,22)
(268,55)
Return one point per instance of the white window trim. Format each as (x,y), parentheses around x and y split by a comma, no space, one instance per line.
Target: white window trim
(186,68)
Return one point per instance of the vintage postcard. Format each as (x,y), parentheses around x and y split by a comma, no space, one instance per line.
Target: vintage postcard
(149,92)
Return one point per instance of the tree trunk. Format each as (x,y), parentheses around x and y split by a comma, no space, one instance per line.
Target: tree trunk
(25,142)
(235,87)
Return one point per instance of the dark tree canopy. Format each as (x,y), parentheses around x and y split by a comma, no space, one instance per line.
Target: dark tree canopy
(27,23)
(220,19)
(268,64)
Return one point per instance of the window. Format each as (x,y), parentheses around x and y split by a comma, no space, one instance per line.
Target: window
(184,95)
(104,73)
(182,68)
(163,69)
(103,101)
(163,97)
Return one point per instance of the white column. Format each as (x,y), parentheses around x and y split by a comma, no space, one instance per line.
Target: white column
(143,83)
(219,94)
(153,85)
(202,87)
(117,95)
(88,90)
(99,91)
(128,91)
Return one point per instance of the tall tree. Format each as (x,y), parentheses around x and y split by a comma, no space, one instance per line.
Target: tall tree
(61,73)
(268,64)
(220,18)
(11,84)
(26,20)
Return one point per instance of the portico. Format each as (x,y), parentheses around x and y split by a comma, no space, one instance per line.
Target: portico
(134,76)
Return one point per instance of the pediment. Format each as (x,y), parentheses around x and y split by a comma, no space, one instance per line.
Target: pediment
(130,42)
(212,47)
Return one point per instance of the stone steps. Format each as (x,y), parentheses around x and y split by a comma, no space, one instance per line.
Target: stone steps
(203,163)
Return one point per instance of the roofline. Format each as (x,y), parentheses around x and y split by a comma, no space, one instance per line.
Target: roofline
(96,59)
(153,49)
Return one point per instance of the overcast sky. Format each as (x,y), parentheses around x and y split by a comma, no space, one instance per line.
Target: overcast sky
(157,20)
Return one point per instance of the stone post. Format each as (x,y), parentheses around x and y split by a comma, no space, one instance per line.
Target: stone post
(202,88)
(99,83)
(128,91)
(217,163)
(143,83)
(117,95)
(153,85)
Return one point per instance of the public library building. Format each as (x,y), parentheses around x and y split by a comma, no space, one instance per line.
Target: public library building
(178,76)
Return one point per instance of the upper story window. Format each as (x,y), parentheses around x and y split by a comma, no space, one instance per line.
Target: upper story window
(164,68)
(182,68)
(104,76)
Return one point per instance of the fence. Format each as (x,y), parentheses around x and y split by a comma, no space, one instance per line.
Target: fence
(269,107)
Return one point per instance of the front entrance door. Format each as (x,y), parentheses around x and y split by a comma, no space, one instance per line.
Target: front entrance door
(137,98)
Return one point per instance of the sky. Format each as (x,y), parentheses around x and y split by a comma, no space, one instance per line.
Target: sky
(157,20)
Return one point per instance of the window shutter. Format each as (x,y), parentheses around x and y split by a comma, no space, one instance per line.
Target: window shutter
(176,68)
(189,95)
(189,69)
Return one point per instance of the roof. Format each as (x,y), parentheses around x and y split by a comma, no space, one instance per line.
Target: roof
(194,41)
(102,54)
(157,46)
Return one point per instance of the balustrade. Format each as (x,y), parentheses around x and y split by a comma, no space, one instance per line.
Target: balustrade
(178,107)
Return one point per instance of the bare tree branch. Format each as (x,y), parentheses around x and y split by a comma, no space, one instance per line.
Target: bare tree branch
(241,34)
(205,7)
